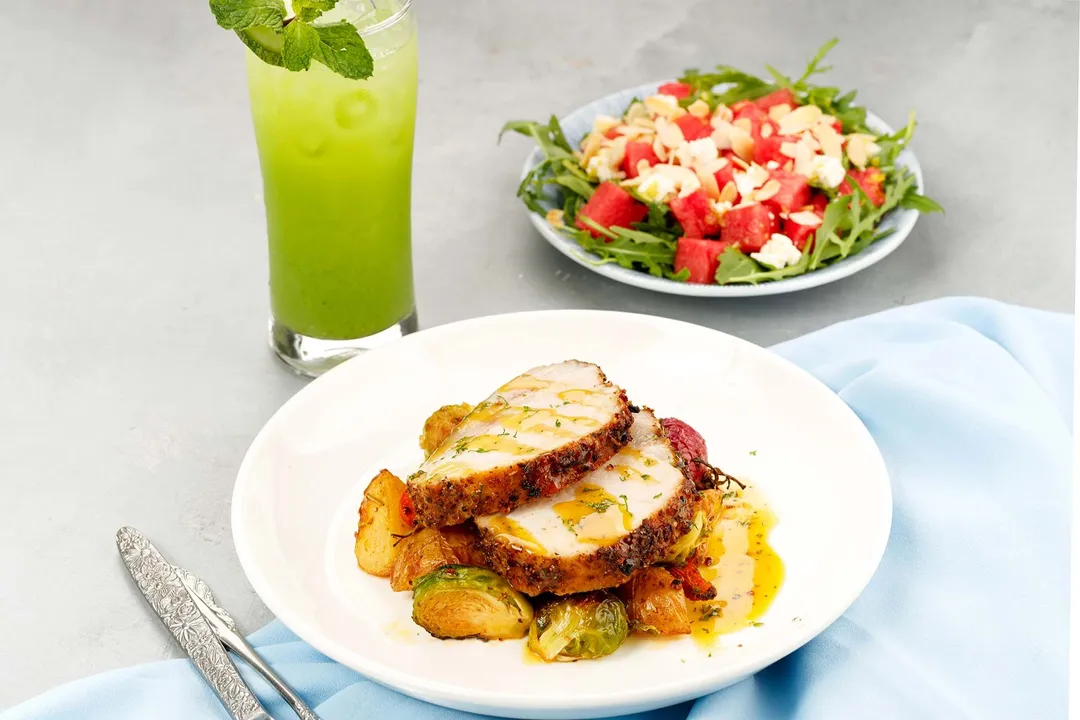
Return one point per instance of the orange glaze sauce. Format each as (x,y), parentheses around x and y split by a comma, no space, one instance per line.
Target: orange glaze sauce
(502,525)
(586,515)
(744,568)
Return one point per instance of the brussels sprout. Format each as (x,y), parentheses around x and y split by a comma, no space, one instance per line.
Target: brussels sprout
(684,546)
(579,627)
(459,601)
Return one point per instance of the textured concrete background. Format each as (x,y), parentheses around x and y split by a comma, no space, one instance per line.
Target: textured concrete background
(133,370)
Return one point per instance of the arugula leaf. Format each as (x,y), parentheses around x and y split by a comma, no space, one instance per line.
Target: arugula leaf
(734,264)
(814,67)
(308,10)
(576,184)
(912,200)
(654,258)
(241,14)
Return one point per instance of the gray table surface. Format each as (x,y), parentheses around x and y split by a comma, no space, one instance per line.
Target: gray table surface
(134,369)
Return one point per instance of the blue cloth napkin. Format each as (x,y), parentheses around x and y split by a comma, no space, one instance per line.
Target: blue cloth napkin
(967,617)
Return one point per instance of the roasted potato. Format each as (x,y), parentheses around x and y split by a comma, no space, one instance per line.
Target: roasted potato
(440,424)
(465,542)
(655,603)
(380,521)
(457,601)
(579,627)
(419,554)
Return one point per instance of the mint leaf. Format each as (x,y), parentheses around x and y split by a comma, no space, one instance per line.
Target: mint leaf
(241,14)
(342,50)
(301,44)
(308,10)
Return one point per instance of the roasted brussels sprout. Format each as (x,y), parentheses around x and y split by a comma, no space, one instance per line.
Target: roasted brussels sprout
(579,627)
(458,601)
(685,545)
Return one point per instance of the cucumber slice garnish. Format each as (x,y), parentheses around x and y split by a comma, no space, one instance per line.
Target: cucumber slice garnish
(265,42)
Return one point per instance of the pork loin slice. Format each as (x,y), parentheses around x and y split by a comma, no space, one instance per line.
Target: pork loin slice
(596,533)
(532,437)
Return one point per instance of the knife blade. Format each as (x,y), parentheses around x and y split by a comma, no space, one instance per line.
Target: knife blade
(165,591)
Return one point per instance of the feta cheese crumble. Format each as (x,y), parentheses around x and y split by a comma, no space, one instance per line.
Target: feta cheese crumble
(778,252)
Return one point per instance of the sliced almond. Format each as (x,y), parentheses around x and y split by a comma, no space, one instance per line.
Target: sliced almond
(778,111)
(714,166)
(805,217)
(699,109)
(617,150)
(591,146)
(644,122)
(789,149)
(767,190)
(766,129)
(635,132)
(723,113)
(860,147)
(804,160)
(799,119)
(807,138)
(603,123)
(729,193)
(659,149)
(708,184)
(721,136)
(669,133)
(662,105)
(744,124)
(555,217)
(740,163)
(830,140)
(789,165)
(636,111)
(743,145)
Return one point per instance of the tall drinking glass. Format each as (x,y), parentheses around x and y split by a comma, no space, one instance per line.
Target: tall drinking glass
(336,159)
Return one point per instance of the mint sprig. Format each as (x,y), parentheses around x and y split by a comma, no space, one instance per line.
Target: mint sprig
(294,42)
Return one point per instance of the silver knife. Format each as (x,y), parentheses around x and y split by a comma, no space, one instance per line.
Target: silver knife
(225,629)
(165,590)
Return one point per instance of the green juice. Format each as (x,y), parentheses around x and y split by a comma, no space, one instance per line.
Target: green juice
(336,158)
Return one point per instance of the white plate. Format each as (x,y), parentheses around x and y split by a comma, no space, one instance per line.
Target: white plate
(296,498)
(578,123)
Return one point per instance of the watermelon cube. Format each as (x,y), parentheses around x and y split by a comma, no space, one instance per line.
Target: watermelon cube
(677,89)
(758,119)
(783,96)
(872,182)
(637,151)
(794,193)
(696,215)
(768,149)
(701,256)
(748,227)
(693,127)
(818,202)
(725,175)
(610,206)
(798,233)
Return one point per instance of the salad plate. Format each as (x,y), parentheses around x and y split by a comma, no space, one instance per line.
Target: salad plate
(769,423)
(647,230)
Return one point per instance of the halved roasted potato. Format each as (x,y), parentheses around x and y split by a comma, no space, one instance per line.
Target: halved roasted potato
(440,424)
(418,554)
(457,601)
(380,522)
(464,539)
(655,603)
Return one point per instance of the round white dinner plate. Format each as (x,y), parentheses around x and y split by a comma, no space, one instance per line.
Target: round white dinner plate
(578,123)
(765,421)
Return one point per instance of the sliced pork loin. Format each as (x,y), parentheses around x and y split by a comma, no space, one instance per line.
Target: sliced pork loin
(532,437)
(598,532)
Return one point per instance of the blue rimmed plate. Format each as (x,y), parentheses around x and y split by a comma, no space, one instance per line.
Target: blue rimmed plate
(578,123)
